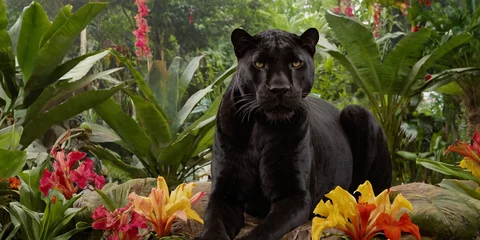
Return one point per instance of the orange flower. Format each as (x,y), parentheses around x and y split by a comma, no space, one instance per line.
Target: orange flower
(471,153)
(161,210)
(366,218)
(393,228)
(14,182)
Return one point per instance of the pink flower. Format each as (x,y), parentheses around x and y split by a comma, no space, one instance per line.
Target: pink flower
(123,222)
(66,180)
(143,51)
(336,10)
(349,11)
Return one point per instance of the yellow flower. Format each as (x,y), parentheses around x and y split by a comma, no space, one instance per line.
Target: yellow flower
(363,219)
(160,209)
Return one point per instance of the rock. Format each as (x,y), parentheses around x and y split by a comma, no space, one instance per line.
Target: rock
(441,213)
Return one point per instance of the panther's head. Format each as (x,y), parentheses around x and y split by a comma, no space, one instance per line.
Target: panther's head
(275,72)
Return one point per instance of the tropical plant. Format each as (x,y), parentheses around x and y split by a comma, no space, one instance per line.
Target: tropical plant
(160,139)
(389,82)
(46,91)
(45,208)
(451,20)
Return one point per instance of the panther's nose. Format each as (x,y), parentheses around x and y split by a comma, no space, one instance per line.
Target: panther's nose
(279,89)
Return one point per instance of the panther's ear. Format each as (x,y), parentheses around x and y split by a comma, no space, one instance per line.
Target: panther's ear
(241,41)
(310,38)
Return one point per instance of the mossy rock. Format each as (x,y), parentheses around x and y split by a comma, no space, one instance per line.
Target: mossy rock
(440,213)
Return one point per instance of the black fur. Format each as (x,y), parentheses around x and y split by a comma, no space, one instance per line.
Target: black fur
(277,152)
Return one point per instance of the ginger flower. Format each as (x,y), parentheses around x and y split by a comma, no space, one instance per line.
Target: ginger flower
(67,180)
(471,153)
(14,182)
(366,218)
(160,209)
(124,223)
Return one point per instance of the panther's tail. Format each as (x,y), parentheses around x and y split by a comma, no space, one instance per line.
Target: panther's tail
(371,157)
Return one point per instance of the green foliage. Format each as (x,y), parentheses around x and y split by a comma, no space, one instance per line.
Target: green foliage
(159,138)
(51,222)
(389,82)
(49,91)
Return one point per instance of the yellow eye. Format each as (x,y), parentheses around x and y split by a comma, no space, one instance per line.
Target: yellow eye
(297,64)
(259,65)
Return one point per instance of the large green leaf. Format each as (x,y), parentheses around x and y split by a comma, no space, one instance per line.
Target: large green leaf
(29,225)
(447,169)
(152,120)
(127,128)
(169,98)
(420,68)
(112,161)
(403,56)
(55,48)
(100,133)
(34,24)
(362,50)
(12,162)
(211,112)
(205,142)
(83,67)
(67,109)
(7,58)
(459,186)
(327,47)
(60,91)
(79,227)
(142,84)
(440,213)
(30,195)
(196,97)
(187,76)
(156,79)
(61,18)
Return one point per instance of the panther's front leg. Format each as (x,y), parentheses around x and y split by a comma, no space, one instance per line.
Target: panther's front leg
(285,176)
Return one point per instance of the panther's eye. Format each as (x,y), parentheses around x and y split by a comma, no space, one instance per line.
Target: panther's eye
(259,65)
(297,64)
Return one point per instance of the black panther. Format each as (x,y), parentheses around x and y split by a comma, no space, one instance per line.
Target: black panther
(276,150)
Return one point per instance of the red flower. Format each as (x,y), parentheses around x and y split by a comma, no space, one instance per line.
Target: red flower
(68,181)
(54,199)
(376,17)
(14,182)
(415,29)
(393,228)
(428,77)
(429,3)
(123,222)
(336,10)
(349,11)
(84,173)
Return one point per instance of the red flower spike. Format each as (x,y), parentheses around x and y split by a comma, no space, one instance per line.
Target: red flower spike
(429,3)
(415,29)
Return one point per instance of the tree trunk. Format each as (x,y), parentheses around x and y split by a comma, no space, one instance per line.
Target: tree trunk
(83,42)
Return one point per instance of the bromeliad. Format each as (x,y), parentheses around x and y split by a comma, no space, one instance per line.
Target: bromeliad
(366,218)
(160,209)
